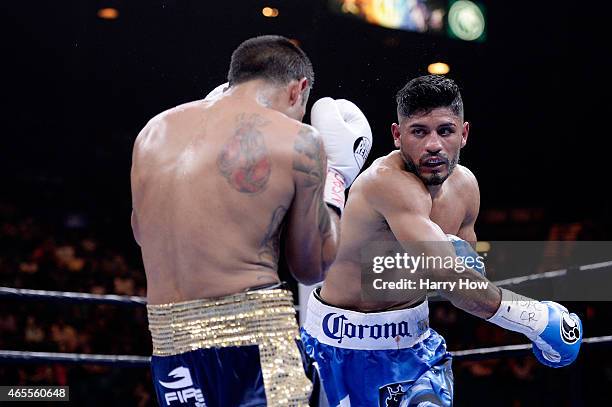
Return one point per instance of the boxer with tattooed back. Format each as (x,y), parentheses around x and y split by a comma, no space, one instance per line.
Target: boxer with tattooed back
(213,183)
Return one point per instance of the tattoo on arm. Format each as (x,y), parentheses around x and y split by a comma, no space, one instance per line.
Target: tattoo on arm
(310,160)
(309,157)
(244,160)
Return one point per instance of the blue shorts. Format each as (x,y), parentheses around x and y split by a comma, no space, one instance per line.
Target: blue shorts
(229,376)
(377,359)
(238,350)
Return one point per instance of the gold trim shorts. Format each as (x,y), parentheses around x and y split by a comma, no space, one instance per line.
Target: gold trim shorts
(238,350)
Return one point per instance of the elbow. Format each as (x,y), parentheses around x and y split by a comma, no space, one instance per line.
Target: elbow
(436,274)
(309,270)
(441,280)
(311,274)
(322,269)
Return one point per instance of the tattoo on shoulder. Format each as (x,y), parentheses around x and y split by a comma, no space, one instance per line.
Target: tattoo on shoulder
(309,156)
(270,244)
(244,160)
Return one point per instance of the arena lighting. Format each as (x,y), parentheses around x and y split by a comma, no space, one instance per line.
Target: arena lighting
(425,16)
(269,12)
(483,247)
(108,13)
(438,68)
(466,20)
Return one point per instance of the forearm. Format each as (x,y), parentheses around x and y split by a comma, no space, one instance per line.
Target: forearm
(311,254)
(331,242)
(482,303)
(556,334)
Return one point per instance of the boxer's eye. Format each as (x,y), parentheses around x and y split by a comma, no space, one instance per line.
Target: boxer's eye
(419,132)
(445,131)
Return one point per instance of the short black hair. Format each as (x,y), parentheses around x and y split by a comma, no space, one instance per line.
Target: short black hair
(425,93)
(270,57)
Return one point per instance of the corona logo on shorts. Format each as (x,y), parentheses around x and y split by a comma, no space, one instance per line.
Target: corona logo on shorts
(361,149)
(184,392)
(337,326)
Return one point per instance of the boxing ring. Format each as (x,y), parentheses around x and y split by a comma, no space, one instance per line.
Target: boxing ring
(8,357)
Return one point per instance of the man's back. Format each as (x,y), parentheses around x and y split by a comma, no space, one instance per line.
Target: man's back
(198,171)
(213,183)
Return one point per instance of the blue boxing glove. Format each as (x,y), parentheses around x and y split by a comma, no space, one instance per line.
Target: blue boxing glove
(470,257)
(559,343)
(556,334)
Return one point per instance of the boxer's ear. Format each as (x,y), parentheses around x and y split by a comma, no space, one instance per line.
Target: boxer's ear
(395,132)
(298,91)
(464,133)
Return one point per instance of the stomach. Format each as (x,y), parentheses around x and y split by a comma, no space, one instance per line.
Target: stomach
(346,287)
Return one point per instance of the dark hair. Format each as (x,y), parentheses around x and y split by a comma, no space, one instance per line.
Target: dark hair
(269,57)
(426,93)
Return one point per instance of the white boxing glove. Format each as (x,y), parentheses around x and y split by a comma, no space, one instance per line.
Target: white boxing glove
(216,92)
(347,138)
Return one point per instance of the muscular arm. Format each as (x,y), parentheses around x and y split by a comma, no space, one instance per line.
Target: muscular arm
(312,227)
(407,210)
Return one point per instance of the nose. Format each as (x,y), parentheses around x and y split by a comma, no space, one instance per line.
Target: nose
(434,144)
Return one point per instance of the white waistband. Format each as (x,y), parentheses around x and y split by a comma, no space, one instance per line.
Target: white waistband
(366,331)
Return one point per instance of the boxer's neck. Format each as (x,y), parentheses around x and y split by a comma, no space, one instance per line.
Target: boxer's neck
(260,91)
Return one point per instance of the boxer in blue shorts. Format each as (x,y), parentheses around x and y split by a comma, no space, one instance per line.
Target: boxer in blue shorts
(375,352)
(213,183)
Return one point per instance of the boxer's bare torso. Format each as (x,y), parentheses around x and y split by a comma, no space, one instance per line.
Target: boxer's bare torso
(211,185)
(453,207)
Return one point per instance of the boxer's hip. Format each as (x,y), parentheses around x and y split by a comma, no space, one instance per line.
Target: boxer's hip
(341,328)
(377,358)
(236,350)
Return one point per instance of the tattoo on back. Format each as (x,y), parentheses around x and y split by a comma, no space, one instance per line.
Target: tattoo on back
(270,245)
(244,160)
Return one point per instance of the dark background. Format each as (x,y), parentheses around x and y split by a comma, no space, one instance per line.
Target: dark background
(77,89)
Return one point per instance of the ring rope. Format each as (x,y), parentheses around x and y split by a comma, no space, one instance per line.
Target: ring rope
(7,356)
(516,350)
(136,361)
(135,300)
(23,293)
(551,274)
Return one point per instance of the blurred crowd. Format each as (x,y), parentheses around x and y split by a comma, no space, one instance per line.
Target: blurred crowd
(68,253)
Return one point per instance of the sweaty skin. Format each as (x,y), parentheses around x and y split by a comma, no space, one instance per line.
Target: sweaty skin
(389,203)
(453,210)
(213,184)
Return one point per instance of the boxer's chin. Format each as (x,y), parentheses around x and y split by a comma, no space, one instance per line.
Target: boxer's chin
(426,177)
(437,177)
(434,179)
